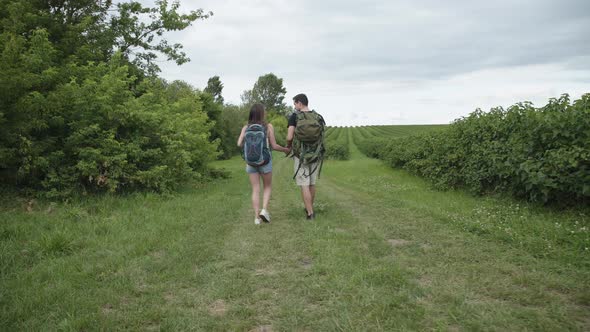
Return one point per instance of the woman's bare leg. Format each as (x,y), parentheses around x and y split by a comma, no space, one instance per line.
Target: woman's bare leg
(255,182)
(267,183)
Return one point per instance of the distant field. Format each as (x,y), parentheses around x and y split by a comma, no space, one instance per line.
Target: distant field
(388,130)
(337,138)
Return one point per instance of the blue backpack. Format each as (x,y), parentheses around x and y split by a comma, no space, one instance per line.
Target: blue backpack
(256,152)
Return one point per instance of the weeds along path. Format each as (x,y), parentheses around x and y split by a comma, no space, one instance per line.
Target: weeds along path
(382,255)
(137,262)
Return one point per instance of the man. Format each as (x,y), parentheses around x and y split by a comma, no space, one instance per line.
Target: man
(308,149)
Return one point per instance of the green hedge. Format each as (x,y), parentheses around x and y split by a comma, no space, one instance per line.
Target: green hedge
(541,154)
(337,144)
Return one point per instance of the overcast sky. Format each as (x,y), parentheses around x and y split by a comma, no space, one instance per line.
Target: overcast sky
(392,62)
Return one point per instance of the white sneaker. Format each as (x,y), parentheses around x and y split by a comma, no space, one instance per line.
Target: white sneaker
(257,221)
(264,215)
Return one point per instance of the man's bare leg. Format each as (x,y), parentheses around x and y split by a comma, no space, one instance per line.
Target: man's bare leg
(307,199)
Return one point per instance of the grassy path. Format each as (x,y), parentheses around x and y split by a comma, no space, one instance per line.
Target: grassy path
(385,253)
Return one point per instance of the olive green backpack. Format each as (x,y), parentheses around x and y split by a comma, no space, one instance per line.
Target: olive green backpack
(308,143)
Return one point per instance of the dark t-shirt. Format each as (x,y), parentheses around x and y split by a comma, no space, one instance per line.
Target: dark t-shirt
(292,120)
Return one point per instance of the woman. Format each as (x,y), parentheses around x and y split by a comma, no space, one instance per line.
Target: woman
(264,171)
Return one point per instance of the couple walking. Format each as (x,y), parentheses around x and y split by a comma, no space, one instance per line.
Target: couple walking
(305,143)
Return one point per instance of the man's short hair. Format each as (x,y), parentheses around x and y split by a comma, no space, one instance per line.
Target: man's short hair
(301,98)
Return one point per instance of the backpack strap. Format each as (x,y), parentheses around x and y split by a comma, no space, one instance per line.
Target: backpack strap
(319,152)
(320,118)
(321,164)
(302,148)
(266,136)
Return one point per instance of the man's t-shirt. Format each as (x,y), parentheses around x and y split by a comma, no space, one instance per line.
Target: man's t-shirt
(292,120)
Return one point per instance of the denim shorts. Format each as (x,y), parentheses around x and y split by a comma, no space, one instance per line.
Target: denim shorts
(259,169)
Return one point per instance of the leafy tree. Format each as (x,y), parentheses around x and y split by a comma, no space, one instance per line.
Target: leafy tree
(213,110)
(279,122)
(179,89)
(134,37)
(232,119)
(80,105)
(246,98)
(269,91)
(90,30)
(215,87)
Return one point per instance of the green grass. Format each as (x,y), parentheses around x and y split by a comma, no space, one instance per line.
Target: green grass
(386,252)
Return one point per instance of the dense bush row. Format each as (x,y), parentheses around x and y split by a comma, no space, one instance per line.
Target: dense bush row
(542,154)
(373,147)
(337,144)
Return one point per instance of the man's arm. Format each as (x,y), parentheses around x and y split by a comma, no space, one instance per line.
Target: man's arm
(290,134)
(291,129)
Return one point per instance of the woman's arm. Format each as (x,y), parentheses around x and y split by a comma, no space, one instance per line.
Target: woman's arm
(273,142)
(241,138)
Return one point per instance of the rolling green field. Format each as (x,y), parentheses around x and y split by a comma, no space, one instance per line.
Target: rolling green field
(386,252)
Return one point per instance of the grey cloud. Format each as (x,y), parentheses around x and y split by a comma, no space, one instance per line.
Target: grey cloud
(364,46)
(370,40)
(449,42)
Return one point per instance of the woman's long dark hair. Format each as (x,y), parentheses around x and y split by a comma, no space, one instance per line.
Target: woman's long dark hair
(257,115)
